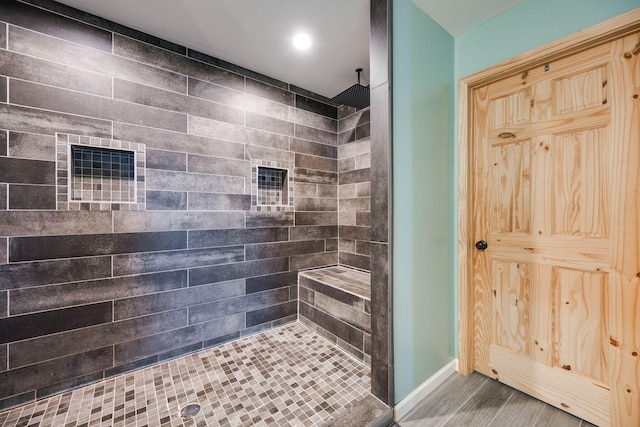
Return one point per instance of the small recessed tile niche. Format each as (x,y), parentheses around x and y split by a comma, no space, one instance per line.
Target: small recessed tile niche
(271,186)
(99,174)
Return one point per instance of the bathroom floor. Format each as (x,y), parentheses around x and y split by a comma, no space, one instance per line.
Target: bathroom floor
(288,376)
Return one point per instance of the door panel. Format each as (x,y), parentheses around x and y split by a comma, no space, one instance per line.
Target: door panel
(556,193)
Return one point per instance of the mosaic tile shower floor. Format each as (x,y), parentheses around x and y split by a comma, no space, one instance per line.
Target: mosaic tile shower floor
(288,376)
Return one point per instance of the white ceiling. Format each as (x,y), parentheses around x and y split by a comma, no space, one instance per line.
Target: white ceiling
(256,34)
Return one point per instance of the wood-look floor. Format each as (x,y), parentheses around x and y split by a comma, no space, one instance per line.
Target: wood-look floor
(476,400)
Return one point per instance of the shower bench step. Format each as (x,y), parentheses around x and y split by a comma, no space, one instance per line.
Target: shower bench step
(336,302)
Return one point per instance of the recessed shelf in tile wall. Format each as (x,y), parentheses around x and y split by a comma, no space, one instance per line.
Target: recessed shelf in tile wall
(99,174)
(271,186)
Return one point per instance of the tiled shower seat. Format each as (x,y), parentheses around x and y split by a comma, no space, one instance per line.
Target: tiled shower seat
(336,302)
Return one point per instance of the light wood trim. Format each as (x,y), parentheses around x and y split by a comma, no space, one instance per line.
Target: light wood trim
(601,33)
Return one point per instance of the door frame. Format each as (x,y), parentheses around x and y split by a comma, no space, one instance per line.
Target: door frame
(598,34)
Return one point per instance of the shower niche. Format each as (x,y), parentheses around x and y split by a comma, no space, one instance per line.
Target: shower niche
(271,186)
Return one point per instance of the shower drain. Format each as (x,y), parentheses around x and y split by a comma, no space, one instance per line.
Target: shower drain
(190,410)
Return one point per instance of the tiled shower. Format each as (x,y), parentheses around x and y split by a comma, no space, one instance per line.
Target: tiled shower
(95,280)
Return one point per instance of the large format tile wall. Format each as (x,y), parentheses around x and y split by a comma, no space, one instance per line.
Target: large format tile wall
(90,294)
(354,187)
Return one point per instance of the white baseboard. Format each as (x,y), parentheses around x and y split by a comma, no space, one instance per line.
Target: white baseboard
(408,403)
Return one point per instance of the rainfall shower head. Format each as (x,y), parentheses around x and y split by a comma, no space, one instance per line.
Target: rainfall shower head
(356,96)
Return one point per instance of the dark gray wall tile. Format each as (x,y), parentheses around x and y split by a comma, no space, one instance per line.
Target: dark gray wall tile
(63,52)
(307,295)
(355,176)
(356,233)
(44,392)
(363,131)
(314,120)
(332,292)
(3,87)
(180,352)
(218,166)
(219,202)
(18,328)
(316,218)
(272,313)
(155,221)
(212,238)
(23,171)
(354,120)
(346,137)
(305,190)
(269,124)
(315,204)
(160,343)
(331,245)
(354,149)
(221,273)
(360,204)
(65,101)
(180,142)
(315,177)
(23,119)
(338,328)
(314,148)
(15,276)
(241,304)
(344,312)
(355,260)
(213,129)
(272,281)
(327,190)
(48,247)
(53,346)
(166,200)
(168,160)
(46,223)
(32,196)
(380,163)
(317,107)
(183,181)
(167,100)
(381,322)
(215,93)
(3,197)
(220,340)
(4,138)
(261,138)
(265,107)
(50,73)
(363,218)
(363,247)
(32,146)
(18,400)
(314,232)
(283,249)
(56,25)
(3,35)
(149,54)
(78,293)
(177,299)
(263,153)
(137,263)
(3,305)
(316,162)
(54,371)
(268,91)
(128,367)
(302,262)
(317,135)
(3,357)
(269,219)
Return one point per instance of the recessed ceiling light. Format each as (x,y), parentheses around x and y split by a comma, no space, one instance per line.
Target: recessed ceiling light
(302,41)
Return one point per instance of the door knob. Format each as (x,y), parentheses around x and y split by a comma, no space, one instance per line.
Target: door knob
(482,245)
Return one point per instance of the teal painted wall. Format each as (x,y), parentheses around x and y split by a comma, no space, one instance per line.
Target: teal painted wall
(423,244)
(427,63)
(529,25)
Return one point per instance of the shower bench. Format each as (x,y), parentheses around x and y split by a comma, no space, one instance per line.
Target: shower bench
(336,302)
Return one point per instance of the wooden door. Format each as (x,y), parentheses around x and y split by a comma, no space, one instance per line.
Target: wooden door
(556,195)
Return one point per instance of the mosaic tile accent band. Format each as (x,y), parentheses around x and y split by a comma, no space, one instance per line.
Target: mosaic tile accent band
(288,376)
(99,174)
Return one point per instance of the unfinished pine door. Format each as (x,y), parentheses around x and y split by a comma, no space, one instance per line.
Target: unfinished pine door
(556,190)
